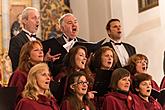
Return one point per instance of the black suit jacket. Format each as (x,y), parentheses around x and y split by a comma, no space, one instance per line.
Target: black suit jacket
(129,48)
(56,66)
(15,46)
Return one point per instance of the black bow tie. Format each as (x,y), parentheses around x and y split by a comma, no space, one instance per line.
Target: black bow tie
(116,43)
(31,35)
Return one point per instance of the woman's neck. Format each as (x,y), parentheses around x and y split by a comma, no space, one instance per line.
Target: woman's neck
(143,97)
(80,97)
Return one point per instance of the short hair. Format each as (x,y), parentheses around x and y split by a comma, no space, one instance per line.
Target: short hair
(25,12)
(118,74)
(96,59)
(63,16)
(109,22)
(139,77)
(31,87)
(24,63)
(69,60)
(132,62)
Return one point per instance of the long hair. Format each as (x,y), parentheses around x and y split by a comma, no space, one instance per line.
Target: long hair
(31,88)
(69,60)
(76,103)
(24,59)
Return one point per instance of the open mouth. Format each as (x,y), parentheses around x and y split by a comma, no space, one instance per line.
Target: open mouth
(109,62)
(148,91)
(74,29)
(37,25)
(47,82)
(119,32)
(144,68)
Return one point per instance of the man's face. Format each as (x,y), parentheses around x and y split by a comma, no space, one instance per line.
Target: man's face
(115,30)
(70,26)
(32,23)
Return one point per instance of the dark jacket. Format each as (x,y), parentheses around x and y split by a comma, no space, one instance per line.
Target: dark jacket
(129,48)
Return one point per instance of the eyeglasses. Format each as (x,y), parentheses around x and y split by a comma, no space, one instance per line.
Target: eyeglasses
(83,82)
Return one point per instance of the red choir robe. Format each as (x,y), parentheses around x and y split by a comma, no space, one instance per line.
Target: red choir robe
(66,105)
(18,80)
(120,101)
(43,103)
(152,104)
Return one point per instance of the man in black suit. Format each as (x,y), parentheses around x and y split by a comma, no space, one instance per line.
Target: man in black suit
(30,21)
(70,28)
(123,50)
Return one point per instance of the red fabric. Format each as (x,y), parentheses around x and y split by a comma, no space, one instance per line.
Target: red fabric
(43,103)
(66,105)
(154,85)
(119,101)
(18,80)
(162,85)
(152,104)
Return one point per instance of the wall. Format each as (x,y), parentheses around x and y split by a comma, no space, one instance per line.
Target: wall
(92,16)
(143,30)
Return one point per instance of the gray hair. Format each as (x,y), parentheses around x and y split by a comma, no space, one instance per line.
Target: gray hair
(63,16)
(25,12)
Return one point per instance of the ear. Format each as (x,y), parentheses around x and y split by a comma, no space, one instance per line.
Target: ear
(108,32)
(137,90)
(72,86)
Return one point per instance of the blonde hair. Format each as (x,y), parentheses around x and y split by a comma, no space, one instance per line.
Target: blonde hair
(31,87)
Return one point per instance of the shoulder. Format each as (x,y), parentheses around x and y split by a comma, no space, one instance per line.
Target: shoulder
(65,105)
(25,104)
(81,40)
(107,44)
(128,45)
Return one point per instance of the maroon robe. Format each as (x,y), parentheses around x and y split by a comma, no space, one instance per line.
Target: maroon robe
(120,101)
(152,104)
(162,85)
(18,80)
(66,105)
(43,103)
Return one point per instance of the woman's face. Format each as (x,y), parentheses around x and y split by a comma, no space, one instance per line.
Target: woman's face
(106,60)
(36,54)
(145,88)
(81,86)
(43,80)
(124,83)
(141,66)
(80,59)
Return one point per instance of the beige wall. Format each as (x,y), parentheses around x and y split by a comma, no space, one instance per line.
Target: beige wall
(146,30)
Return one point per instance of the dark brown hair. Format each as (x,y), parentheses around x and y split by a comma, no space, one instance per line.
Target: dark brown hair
(71,96)
(69,60)
(118,74)
(109,23)
(139,77)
